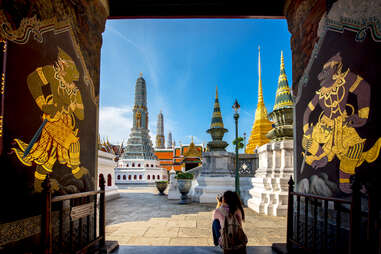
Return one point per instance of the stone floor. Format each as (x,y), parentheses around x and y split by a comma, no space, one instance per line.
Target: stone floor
(185,250)
(141,217)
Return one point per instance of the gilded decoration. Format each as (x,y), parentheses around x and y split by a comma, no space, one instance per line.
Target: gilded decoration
(58,140)
(262,125)
(138,119)
(360,27)
(3,58)
(48,110)
(335,134)
(193,152)
(37,28)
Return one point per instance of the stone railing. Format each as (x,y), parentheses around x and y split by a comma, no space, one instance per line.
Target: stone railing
(248,164)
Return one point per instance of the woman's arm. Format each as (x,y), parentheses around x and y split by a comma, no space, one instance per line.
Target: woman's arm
(219,215)
(238,215)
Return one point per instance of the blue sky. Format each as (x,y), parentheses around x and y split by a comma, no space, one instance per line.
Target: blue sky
(182,62)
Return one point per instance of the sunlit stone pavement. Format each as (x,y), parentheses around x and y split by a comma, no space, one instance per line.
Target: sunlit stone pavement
(141,217)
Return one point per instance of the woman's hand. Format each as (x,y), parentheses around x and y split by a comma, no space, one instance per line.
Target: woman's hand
(218,203)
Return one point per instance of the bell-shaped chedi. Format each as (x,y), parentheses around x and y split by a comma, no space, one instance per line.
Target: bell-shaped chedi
(282,112)
(217,130)
(262,125)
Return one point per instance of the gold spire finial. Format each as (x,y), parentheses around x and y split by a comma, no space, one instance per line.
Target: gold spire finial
(261,124)
(192,139)
(141,74)
(216,92)
(260,93)
(281,60)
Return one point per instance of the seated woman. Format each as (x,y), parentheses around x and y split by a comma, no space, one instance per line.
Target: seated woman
(227,204)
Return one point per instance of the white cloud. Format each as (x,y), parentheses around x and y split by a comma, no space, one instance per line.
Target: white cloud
(115,123)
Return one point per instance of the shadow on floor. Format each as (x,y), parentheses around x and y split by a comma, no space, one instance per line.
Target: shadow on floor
(185,250)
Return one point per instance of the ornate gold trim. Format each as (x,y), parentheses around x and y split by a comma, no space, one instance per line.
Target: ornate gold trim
(42,76)
(355,84)
(76,170)
(330,64)
(311,106)
(2,83)
(39,176)
(40,101)
(1,126)
(364,112)
(305,127)
(34,26)
(344,180)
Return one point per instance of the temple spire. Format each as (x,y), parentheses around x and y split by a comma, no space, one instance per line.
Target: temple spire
(283,98)
(262,125)
(260,92)
(217,129)
(169,141)
(139,145)
(283,108)
(281,60)
(217,117)
(160,139)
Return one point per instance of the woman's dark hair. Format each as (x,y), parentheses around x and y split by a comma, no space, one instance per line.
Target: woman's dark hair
(234,202)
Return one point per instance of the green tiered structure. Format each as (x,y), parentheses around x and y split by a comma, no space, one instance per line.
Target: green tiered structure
(282,114)
(217,130)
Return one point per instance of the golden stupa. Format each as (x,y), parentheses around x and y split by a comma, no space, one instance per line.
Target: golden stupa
(262,125)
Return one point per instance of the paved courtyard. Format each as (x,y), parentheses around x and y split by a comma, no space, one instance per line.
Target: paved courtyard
(141,217)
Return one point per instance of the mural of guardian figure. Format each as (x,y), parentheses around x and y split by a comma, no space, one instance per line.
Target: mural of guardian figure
(334,134)
(57,139)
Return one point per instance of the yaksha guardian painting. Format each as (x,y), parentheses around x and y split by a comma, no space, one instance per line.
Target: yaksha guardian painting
(337,135)
(334,134)
(49,110)
(57,138)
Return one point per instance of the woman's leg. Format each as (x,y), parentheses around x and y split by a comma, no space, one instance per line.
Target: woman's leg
(216,231)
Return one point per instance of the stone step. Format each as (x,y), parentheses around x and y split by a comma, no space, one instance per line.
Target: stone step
(185,250)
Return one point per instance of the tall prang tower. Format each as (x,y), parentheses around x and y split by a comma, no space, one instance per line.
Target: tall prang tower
(139,145)
(160,139)
(169,140)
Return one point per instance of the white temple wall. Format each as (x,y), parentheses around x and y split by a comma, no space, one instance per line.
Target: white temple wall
(269,189)
(106,165)
(140,175)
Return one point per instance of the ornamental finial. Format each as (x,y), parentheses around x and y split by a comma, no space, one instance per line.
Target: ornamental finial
(216,92)
(281,60)
(260,92)
(141,74)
